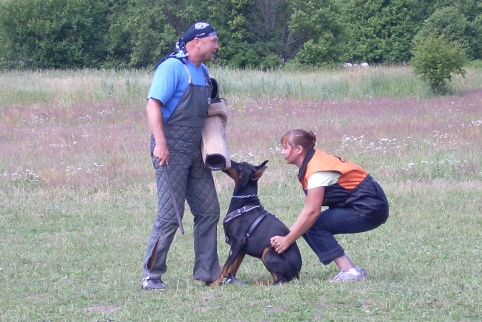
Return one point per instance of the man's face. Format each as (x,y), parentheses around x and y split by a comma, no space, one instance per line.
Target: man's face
(208,46)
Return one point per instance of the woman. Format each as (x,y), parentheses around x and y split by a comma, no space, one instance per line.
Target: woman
(355,201)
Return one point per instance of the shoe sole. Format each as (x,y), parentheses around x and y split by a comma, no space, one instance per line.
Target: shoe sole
(152,288)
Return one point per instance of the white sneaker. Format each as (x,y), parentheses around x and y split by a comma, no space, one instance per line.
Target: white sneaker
(362,272)
(345,275)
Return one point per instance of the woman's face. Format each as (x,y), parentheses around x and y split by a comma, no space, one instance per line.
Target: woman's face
(290,154)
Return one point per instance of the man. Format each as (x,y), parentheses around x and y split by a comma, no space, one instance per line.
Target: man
(177,105)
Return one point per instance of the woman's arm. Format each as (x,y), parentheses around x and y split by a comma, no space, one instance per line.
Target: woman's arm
(307,217)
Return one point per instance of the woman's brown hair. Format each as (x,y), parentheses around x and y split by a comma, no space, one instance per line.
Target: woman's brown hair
(306,139)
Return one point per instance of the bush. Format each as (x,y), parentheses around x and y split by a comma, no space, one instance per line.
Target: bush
(454,26)
(435,59)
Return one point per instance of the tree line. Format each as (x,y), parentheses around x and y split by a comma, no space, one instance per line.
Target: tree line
(262,34)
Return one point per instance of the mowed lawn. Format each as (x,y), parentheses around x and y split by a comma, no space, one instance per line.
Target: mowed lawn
(77,197)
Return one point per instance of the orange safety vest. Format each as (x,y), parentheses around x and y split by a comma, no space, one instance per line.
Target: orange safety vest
(351,175)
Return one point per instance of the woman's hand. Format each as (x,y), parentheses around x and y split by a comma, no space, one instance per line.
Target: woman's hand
(305,220)
(280,244)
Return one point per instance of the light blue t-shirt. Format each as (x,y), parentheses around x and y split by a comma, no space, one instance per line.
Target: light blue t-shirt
(170,82)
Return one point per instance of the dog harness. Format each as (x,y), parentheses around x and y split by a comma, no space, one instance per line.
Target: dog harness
(254,225)
(238,212)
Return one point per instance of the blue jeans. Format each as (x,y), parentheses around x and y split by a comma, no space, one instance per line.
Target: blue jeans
(345,220)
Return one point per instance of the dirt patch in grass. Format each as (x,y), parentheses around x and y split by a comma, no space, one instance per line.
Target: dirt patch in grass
(103,309)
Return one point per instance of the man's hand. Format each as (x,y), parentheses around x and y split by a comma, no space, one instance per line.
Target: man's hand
(161,153)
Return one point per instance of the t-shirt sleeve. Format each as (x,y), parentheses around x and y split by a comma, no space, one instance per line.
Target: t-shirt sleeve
(323,179)
(165,80)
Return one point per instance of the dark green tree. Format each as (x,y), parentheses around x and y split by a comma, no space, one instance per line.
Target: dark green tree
(236,38)
(316,32)
(380,31)
(251,32)
(270,24)
(143,31)
(52,33)
(454,25)
(118,38)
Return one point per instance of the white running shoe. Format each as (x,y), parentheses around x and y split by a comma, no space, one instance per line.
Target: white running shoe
(345,275)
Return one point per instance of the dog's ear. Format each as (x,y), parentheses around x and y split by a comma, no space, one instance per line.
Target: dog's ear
(232,173)
(259,171)
(263,164)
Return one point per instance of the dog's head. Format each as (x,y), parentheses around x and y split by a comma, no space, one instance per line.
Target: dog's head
(242,173)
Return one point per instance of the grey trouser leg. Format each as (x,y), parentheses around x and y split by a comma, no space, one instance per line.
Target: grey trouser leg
(204,205)
(164,226)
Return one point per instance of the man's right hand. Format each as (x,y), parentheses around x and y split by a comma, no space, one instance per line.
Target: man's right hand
(161,153)
(154,118)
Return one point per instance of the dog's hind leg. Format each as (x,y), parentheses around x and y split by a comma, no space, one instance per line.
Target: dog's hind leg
(276,265)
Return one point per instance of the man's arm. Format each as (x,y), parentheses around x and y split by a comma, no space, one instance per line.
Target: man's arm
(154,118)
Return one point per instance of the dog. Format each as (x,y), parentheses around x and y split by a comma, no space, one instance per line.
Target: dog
(249,227)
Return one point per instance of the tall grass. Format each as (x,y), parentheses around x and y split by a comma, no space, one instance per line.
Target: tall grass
(394,82)
(77,197)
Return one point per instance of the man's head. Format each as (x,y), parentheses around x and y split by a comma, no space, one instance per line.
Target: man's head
(198,30)
(200,42)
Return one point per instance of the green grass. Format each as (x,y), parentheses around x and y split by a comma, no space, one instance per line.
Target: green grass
(77,198)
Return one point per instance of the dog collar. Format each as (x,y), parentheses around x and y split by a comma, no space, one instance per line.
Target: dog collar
(244,196)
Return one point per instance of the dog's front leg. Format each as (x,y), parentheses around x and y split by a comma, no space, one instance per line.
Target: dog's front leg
(219,280)
(233,269)
(231,266)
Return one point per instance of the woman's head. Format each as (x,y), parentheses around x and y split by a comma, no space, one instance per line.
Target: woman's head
(294,138)
(295,144)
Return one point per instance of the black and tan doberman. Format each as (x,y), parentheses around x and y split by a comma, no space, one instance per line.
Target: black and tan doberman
(249,227)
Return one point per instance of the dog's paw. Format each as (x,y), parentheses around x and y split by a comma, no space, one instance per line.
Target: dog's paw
(212,284)
(230,279)
(263,283)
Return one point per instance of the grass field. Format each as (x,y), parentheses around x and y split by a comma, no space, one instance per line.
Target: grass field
(77,197)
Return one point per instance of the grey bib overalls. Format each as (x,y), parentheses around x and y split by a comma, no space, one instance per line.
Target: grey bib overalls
(191,182)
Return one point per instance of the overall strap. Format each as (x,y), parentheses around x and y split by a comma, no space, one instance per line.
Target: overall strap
(183,59)
(206,76)
(188,73)
(205,73)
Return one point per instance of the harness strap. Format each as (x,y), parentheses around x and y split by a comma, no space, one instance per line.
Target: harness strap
(237,212)
(254,225)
